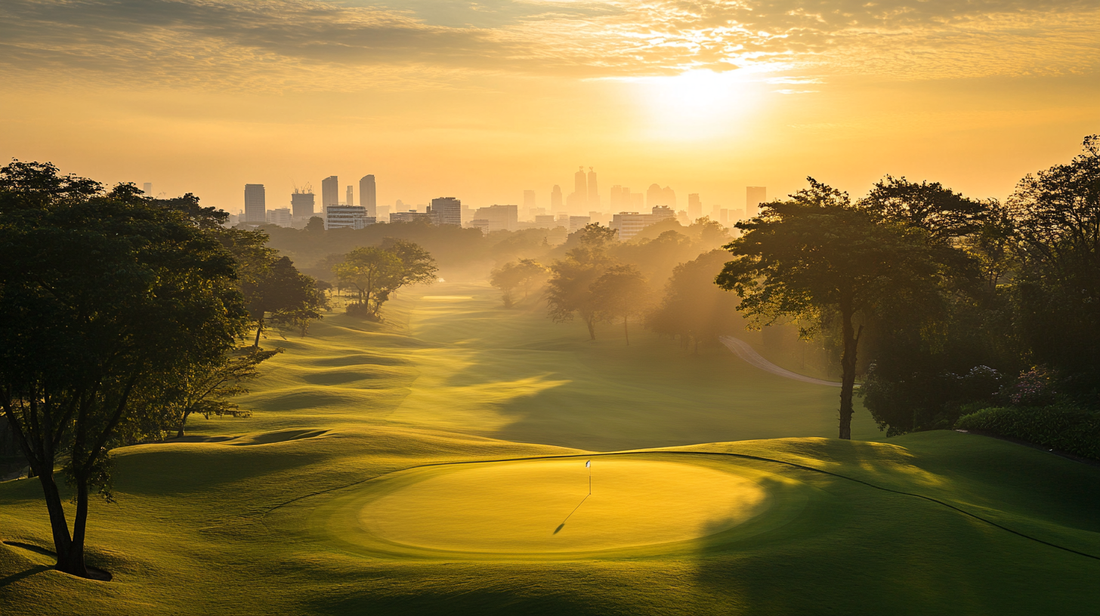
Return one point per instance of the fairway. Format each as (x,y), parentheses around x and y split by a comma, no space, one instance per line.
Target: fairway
(533,507)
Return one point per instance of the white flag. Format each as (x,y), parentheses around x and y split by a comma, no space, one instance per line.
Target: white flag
(588,464)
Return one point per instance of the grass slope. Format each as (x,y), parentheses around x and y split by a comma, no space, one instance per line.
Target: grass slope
(265,515)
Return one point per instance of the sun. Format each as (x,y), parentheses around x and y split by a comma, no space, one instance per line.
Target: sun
(696,104)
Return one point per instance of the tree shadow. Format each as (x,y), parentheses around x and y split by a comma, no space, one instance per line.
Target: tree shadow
(15,577)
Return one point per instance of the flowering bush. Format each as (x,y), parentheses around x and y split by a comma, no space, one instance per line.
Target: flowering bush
(1035,387)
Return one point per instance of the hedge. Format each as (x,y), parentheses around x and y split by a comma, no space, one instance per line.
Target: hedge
(1066,429)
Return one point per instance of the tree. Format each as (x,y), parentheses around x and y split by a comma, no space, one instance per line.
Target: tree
(104,298)
(1056,215)
(815,256)
(373,272)
(315,225)
(206,389)
(693,307)
(517,274)
(281,295)
(417,265)
(621,291)
(569,290)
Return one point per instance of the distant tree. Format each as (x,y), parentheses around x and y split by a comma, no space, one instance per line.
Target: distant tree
(620,292)
(417,265)
(315,225)
(372,271)
(694,308)
(207,389)
(105,298)
(279,294)
(569,290)
(517,274)
(815,256)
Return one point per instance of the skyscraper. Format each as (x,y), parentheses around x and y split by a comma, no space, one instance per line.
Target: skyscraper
(555,199)
(578,201)
(368,197)
(695,207)
(301,202)
(654,196)
(754,196)
(330,191)
(593,192)
(147,188)
(616,198)
(350,196)
(255,204)
(528,200)
(446,211)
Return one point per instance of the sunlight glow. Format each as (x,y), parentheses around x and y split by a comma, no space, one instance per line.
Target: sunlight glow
(697,105)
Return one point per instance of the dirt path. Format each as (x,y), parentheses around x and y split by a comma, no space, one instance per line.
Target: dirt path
(747,353)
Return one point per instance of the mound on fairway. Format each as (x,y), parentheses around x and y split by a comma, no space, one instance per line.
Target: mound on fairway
(544,506)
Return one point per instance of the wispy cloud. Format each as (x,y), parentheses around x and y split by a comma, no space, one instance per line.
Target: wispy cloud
(299,44)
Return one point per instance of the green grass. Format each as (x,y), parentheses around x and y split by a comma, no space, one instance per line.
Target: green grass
(266,514)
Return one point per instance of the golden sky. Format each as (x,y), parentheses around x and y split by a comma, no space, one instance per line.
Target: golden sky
(481,100)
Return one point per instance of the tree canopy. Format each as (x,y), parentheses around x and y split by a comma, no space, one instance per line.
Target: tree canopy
(105,297)
(377,271)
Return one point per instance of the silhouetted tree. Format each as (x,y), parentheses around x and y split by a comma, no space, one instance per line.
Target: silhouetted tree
(621,291)
(105,297)
(372,271)
(207,389)
(816,254)
(693,307)
(517,274)
(282,295)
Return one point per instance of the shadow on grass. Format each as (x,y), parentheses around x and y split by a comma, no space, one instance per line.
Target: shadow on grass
(15,577)
(562,525)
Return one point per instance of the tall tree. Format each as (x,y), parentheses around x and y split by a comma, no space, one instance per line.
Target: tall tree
(815,256)
(693,307)
(280,294)
(1056,214)
(523,274)
(373,271)
(208,388)
(620,292)
(104,298)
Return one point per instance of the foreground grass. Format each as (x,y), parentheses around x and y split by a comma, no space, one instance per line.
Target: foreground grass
(262,515)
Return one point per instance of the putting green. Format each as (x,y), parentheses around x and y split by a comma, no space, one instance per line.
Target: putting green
(533,507)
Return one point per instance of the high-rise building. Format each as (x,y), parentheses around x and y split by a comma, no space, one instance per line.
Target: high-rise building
(301,202)
(350,194)
(280,216)
(754,196)
(654,196)
(695,207)
(147,188)
(629,224)
(347,217)
(578,201)
(593,192)
(529,201)
(617,198)
(255,204)
(330,191)
(368,195)
(555,199)
(446,211)
(497,217)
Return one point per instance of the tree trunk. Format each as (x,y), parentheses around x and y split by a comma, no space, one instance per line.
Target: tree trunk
(73,561)
(62,541)
(259,330)
(848,370)
(626,331)
(182,423)
(591,323)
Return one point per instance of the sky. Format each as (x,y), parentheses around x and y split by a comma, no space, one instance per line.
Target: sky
(483,100)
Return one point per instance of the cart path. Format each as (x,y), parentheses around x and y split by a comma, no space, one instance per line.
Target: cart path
(747,353)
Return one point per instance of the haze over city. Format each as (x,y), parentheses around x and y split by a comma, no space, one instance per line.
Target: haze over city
(483,101)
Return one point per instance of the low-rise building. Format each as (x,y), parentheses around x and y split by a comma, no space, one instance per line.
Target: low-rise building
(347,217)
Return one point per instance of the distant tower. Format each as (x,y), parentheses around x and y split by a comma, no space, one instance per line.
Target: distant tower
(368,197)
(695,207)
(653,196)
(350,193)
(593,192)
(555,199)
(301,202)
(528,200)
(616,199)
(147,188)
(255,204)
(754,196)
(580,192)
(446,211)
(330,191)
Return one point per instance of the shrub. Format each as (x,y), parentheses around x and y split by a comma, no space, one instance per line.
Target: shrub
(1057,427)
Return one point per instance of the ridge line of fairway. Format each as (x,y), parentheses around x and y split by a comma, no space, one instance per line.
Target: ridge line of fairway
(697,453)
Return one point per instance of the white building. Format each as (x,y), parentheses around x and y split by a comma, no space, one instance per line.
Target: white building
(629,224)
(347,217)
(279,216)
(498,217)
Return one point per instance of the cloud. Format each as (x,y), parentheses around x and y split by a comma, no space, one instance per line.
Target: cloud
(308,45)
